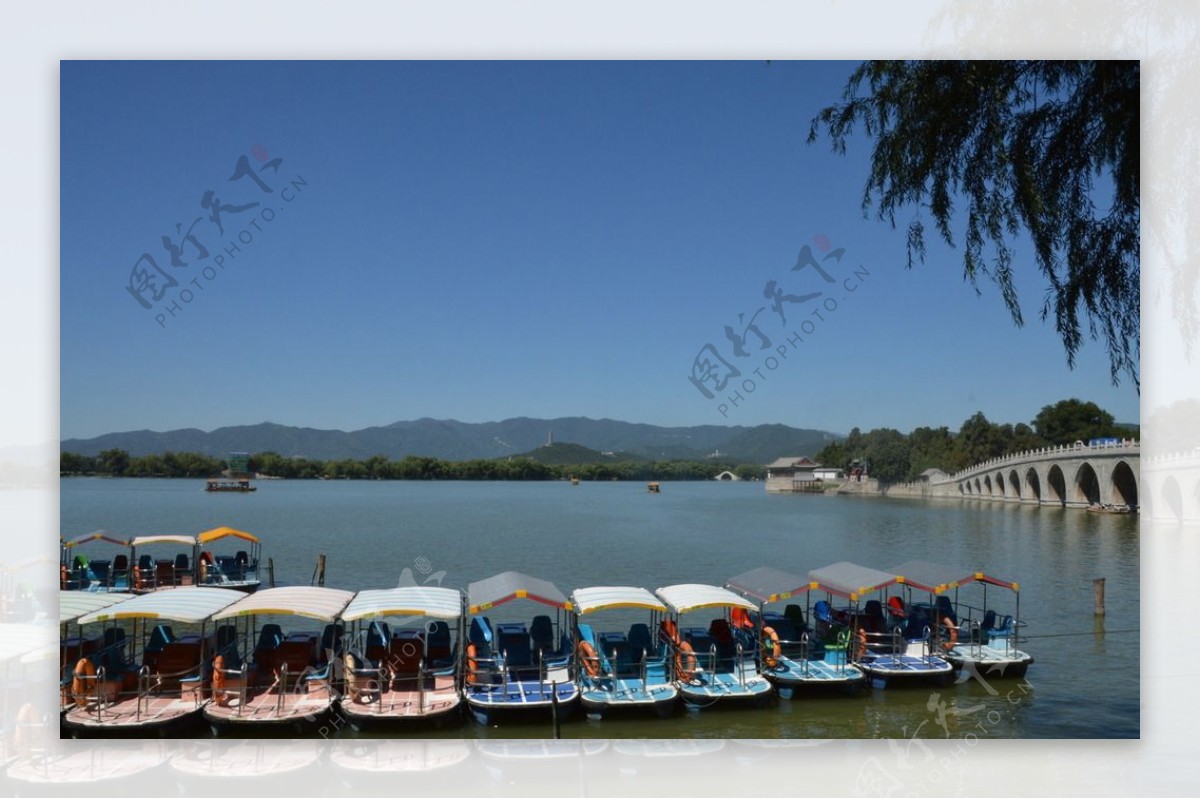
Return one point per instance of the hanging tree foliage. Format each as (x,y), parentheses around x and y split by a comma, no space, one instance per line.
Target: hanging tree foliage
(1048,147)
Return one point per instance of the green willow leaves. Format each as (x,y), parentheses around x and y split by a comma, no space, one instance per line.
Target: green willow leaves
(1050,148)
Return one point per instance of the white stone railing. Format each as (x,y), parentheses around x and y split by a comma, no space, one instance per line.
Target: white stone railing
(1078,449)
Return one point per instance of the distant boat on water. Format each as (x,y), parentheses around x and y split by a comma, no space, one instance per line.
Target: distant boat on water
(227,484)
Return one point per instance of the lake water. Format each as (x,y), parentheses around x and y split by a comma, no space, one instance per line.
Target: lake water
(1084,682)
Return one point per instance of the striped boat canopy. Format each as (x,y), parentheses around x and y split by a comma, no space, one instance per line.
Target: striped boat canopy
(143,540)
(73,604)
(313,602)
(218,533)
(588,600)
(938,578)
(768,584)
(190,605)
(507,586)
(694,596)
(22,640)
(851,580)
(412,600)
(97,535)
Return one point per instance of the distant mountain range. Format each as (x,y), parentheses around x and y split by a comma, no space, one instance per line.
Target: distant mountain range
(451,440)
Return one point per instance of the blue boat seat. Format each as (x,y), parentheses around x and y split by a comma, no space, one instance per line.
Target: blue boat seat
(480,633)
(100,570)
(269,639)
(438,644)
(113,654)
(160,636)
(795,615)
(514,643)
(945,609)
(378,637)
(331,640)
(541,631)
(872,619)
(919,618)
(823,612)
(640,644)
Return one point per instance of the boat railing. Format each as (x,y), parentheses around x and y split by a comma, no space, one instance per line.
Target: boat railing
(741,663)
(805,650)
(98,686)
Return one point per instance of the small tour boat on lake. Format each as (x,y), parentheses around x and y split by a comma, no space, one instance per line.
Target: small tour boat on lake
(888,648)
(975,637)
(149,678)
(513,669)
(621,669)
(402,673)
(715,663)
(285,679)
(792,655)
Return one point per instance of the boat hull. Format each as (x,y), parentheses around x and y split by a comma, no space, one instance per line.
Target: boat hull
(157,715)
(725,688)
(520,700)
(815,676)
(990,662)
(628,696)
(891,671)
(438,705)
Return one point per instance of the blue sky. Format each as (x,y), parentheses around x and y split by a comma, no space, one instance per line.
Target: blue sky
(480,240)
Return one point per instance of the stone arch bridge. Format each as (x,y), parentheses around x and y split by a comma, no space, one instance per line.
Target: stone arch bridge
(1073,476)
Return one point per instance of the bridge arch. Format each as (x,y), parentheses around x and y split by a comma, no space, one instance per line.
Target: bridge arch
(1086,486)
(978,488)
(1001,488)
(1014,480)
(987,485)
(1034,483)
(1056,486)
(1124,485)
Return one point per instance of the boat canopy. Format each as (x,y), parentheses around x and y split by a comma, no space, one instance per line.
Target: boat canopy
(507,586)
(587,600)
(143,540)
(768,584)
(218,533)
(190,605)
(73,604)
(97,535)
(851,580)
(694,596)
(938,578)
(313,602)
(411,600)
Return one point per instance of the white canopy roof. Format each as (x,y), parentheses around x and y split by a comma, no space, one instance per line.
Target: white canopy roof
(73,604)
(587,600)
(141,540)
(322,604)
(693,596)
(23,639)
(409,600)
(189,605)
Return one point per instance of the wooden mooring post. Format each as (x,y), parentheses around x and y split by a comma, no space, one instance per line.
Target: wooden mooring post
(318,577)
(1098,591)
(270,572)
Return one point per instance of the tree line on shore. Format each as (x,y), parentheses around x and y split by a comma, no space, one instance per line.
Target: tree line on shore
(119,463)
(891,456)
(888,455)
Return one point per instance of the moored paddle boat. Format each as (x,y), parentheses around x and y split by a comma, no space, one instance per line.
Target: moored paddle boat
(285,679)
(150,573)
(792,656)
(717,663)
(888,651)
(975,637)
(239,571)
(511,669)
(79,572)
(622,670)
(150,678)
(72,605)
(397,673)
